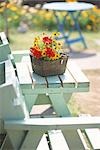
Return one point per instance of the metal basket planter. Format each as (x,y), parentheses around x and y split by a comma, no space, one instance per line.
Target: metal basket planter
(49,68)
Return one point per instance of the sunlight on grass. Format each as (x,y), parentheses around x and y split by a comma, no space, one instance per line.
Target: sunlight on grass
(23,41)
(73,107)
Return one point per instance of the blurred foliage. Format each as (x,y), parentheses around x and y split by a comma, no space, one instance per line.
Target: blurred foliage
(45,20)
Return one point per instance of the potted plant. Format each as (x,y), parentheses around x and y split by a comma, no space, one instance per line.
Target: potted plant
(46,55)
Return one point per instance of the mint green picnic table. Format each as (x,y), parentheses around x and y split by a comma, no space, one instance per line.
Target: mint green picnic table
(53,90)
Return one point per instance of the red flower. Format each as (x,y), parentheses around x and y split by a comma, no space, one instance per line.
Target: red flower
(36,52)
(47,40)
(50,52)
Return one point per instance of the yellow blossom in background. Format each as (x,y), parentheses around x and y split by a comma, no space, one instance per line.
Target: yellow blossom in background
(92,17)
(32,10)
(23,12)
(48,15)
(68,17)
(84,14)
(16,17)
(9,19)
(89,27)
(43,19)
(1,10)
(3,4)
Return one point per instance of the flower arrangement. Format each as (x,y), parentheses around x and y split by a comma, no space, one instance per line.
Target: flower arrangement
(46,55)
(47,47)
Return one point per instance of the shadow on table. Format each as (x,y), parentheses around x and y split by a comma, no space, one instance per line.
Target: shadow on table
(74,54)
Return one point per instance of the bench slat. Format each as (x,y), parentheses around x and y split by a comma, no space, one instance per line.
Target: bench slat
(24,75)
(67,79)
(9,72)
(3,38)
(43,145)
(77,74)
(53,81)
(39,81)
(57,140)
(64,123)
(94,137)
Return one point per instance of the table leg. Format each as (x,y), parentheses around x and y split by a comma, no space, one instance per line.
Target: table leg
(73,139)
(61,28)
(59,105)
(32,140)
(75,17)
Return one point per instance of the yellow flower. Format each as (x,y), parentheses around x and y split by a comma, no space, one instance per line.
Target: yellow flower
(1,9)
(46,47)
(84,14)
(92,18)
(43,53)
(89,27)
(56,34)
(15,17)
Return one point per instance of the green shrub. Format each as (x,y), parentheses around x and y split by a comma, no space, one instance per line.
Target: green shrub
(43,20)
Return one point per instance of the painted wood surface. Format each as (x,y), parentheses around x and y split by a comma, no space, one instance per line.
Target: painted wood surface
(57,140)
(94,137)
(36,127)
(4,47)
(73,77)
(53,87)
(54,123)
(30,89)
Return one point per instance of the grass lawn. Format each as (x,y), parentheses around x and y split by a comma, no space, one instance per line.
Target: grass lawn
(23,41)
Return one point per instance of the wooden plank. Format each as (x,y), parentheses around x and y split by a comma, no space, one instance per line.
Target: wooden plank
(77,74)
(53,82)
(67,80)
(10,110)
(57,140)
(94,137)
(43,145)
(31,140)
(4,47)
(6,144)
(38,81)
(9,72)
(27,60)
(73,139)
(24,75)
(4,52)
(16,138)
(86,147)
(3,38)
(54,123)
(2,73)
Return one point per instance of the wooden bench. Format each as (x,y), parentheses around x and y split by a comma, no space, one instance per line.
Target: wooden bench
(20,131)
(57,130)
(38,133)
(93,135)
